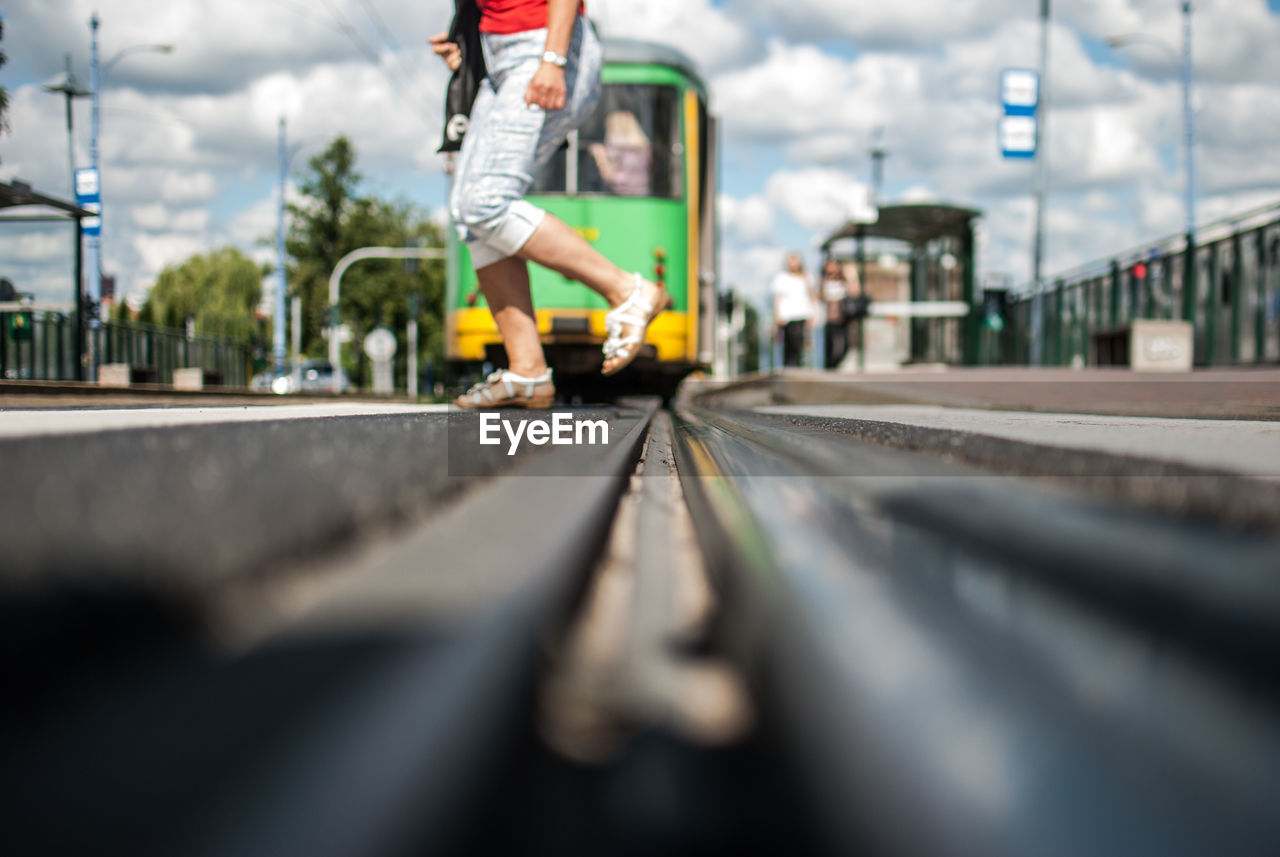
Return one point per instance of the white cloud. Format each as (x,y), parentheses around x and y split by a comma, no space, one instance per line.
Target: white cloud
(158,251)
(189,139)
(158,217)
(712,37)
(920,23)
(818,199)
(749,219)
(33,246)
(748,269)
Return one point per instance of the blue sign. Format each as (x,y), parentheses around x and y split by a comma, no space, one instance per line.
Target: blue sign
(1018,136)
(1020,99)
(89,197)
(1019,91)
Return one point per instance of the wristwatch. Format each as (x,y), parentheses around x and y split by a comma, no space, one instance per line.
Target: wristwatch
(555,59)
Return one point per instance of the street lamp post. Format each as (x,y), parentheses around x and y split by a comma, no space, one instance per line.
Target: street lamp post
(284,156)
(1189,266)
(1041,181)
(68,86)
(97,80)
(1188,139)
(277,338)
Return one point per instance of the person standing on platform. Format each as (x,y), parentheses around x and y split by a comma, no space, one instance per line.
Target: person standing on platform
(834,291)
(542,61)
(793,309)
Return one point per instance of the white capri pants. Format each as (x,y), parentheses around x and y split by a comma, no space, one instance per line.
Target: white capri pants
(508,141)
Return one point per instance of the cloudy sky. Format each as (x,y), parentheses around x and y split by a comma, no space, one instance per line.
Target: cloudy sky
(189,138)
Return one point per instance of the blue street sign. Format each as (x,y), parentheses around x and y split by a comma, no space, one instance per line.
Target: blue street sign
(1019,131)
(1019,91)
(1018,136)
(89,197)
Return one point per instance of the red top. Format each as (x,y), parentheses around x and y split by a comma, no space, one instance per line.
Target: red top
(514,16)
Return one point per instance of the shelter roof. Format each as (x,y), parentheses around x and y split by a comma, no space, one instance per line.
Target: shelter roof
(915,223)
(16,193)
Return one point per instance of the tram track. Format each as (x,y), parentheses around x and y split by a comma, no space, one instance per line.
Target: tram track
(946,689)
(868,650)
(371,715)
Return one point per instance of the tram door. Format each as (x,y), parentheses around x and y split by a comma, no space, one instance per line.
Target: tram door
(708,228)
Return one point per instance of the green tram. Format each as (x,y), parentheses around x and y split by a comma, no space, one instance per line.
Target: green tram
(638,181)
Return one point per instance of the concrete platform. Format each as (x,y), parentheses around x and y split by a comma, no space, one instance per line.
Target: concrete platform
(1251,394)
(15,422)
(1245,447)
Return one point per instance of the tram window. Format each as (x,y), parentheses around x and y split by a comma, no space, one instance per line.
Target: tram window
(551,178)
(628,146)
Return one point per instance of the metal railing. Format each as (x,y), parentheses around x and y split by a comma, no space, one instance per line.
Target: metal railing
(38,345)
(1233,303)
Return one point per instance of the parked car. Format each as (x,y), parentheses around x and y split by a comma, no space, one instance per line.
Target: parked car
(315,376)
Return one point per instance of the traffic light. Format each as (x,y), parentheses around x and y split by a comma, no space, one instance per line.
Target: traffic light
(20,325)
(994,306)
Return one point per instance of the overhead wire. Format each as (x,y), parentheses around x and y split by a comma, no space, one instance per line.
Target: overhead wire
(401,82)
(393,45)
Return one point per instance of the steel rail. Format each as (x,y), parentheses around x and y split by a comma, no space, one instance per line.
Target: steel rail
(935,705)
(1137,565)
(374,724)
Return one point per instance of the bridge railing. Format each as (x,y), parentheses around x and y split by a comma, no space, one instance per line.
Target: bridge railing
(1233,302)
(40,345)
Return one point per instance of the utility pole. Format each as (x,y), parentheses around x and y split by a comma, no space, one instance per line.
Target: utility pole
(296,307)
(411,340)
(95,236)
(1042,177)
(1189,265)
(277,339)
(878,154)
(67,86)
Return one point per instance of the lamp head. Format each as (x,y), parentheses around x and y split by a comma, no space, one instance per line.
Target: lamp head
(65,83)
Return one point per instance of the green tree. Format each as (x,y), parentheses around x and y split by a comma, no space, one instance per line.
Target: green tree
(219,290)
(334,219)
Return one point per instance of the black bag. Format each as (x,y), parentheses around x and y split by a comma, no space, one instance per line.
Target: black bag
(465,83)
(854,308)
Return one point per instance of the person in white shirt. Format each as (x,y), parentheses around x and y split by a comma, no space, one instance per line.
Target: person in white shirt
(793,308)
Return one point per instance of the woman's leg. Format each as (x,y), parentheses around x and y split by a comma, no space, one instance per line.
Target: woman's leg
(835,344)
(793,343)
(505,285)
(554,245)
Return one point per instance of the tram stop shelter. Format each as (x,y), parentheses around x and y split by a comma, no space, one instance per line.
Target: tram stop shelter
(929,306)
(35,207)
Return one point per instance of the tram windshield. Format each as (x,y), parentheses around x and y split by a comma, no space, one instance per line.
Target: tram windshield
(628,146)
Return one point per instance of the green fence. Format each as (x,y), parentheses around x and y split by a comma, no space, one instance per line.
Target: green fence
(1233,301)
(41,346)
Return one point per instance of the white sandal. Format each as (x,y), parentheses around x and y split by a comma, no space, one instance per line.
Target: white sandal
(506,389)
(633,311)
